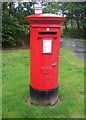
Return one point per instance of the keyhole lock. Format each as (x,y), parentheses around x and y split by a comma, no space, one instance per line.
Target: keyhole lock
(56,56)
(54,64)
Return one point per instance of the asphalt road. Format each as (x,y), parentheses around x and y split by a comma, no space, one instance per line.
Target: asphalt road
(77,46)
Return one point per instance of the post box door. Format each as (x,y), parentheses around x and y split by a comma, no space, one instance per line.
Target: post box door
(44,61)
(49,65)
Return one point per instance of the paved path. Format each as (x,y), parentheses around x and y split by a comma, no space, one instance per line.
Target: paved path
(77,46)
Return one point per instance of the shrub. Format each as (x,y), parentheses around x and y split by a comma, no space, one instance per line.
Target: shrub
(13,32)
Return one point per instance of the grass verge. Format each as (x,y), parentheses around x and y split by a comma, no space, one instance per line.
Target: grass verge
(16,87)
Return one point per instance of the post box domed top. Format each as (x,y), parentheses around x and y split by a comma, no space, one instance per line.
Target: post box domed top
(45,19)
(45,16)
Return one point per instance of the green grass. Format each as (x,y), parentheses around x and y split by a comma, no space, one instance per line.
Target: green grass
(16,76)
(0,84)
(69,38)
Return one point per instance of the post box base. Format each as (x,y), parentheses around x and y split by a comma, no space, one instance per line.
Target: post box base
(43,97)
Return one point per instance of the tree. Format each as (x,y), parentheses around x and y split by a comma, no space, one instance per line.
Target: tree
(51,7)
(75,12)
(14,26)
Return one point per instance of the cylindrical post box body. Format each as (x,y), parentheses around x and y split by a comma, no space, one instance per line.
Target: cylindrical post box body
(44,57)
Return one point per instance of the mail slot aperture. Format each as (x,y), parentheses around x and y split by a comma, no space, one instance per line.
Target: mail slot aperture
(47,33)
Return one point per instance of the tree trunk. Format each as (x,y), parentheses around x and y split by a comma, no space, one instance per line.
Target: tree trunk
(84,28)
(66,28)
(10,8)
(71,23)
(78,26)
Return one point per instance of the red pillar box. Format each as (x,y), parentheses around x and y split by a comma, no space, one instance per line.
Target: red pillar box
(44,57)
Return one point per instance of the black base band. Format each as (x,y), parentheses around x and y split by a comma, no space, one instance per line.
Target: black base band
(43,97)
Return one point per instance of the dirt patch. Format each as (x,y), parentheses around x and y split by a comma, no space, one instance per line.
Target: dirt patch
(49,102)
(81,93)
(60,99)
(43,103)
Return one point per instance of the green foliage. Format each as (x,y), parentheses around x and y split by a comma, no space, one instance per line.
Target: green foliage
(51,7)
(73,33)
(16,80)
(75,16)
(15,31)
(12,30)
(75,13)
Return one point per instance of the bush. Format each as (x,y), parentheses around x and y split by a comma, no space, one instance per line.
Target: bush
(13,32)
(73,33)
